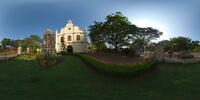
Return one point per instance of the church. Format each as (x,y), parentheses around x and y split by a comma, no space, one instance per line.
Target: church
(71,39)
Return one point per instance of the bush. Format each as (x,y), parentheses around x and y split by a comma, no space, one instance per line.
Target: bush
(184,55)
(119,70)
(196,49)
(170,53)
(47,61)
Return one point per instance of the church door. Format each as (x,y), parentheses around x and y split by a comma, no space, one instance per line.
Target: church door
(69,49)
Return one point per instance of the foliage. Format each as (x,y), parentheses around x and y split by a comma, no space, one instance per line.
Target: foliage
(48,61)
(170,53)
(184,55)
(113,32)
(166,44)
(114,69)
(96,35)
(1,47)
(33,42)
(5,42)
(197,49)
(118,32)
(178,44)
(146,35)
(73,80)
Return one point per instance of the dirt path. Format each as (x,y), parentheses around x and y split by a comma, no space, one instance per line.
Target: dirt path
(115,58)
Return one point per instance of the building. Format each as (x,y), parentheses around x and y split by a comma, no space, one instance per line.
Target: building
(71,38)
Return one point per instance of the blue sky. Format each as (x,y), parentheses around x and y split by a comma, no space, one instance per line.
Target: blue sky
(21,18)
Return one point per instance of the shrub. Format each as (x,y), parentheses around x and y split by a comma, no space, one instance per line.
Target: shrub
(170,53)
(47,61)
(184,55)
(119,70)
(196,49)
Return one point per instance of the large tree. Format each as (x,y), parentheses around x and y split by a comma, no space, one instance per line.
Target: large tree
(114,31)
(180,43)
(96,35)
(146,35)
(166,44)
(117,29)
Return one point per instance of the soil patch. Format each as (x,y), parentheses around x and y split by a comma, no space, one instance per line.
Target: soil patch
(116,58)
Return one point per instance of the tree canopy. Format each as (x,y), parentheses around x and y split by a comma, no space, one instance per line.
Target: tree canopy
(177,44)
(118,32)
(32,42)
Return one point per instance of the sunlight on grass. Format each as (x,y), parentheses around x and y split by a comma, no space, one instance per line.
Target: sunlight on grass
(26,57)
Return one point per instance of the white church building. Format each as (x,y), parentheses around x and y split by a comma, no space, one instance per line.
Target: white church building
(72,37)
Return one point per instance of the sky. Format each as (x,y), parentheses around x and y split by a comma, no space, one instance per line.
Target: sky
(22,18)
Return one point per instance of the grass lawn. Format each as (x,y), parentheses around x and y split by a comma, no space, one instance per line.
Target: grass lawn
(23,79)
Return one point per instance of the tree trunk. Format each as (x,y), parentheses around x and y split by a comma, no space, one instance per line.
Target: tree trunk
(116,48)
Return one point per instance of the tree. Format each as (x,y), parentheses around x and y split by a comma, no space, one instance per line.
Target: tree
(114,31)
(166,44)
(96,35)
(180,43)
(17,43)
(5,42)
(146,35)
(195,45)
(33,42)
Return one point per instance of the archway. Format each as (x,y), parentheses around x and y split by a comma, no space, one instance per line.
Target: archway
(69,49)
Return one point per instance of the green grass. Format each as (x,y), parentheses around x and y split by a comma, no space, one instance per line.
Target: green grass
(23,79)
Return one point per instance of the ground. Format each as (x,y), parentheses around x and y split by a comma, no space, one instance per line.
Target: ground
(24,79)
(110,58)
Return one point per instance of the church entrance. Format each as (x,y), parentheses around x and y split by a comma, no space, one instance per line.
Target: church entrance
(69,49)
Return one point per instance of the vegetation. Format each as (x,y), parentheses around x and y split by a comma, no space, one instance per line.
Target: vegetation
(33,42)
(118,32)
(144,36)
(178,44)
(121,70)
(182,45)
(73,80)
(48,60)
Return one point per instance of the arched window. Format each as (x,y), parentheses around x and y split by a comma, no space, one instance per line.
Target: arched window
(62,39)
(69,38)
(78,37)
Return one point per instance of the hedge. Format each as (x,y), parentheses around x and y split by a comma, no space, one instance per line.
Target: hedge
(119,70)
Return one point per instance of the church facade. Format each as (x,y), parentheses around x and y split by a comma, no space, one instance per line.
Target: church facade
(71,38)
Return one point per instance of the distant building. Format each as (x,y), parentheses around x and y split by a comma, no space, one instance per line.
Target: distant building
(71,38)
